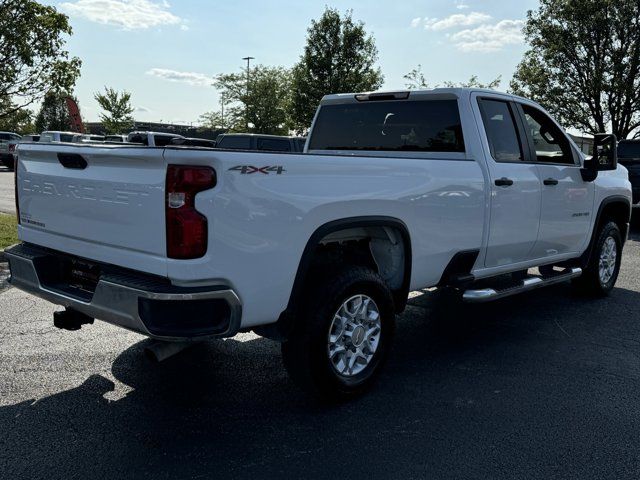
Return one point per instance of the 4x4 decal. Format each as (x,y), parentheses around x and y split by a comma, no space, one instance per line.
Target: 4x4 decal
(248,169)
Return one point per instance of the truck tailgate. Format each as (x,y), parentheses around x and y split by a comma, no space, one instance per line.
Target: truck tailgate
(111,210)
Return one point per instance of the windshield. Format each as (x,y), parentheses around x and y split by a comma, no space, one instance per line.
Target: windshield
(413,126)
(629,149)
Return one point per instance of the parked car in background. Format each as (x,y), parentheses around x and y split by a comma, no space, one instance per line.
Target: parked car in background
(194,142)
(30,138)
(115,138)
(629,156)
(63,137)
(8,142)
(269,143)
(152,139)
(92,138)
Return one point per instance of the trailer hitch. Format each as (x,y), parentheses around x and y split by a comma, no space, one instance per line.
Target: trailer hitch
(71,320)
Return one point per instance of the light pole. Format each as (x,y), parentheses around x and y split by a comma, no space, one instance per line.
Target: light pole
(222,99)
(246,113)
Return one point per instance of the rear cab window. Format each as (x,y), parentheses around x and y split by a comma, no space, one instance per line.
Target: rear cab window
(163,140)
(274,145)
(389,126)
(235,143)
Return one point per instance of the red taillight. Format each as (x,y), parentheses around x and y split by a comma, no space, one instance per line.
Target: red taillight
(186,227)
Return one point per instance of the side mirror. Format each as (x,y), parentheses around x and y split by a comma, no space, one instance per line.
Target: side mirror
(605,156)
(605,151)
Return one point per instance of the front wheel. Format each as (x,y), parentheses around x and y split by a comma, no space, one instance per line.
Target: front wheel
(601,273)
(342,336)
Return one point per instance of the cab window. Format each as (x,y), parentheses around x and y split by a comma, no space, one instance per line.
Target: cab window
(550,143)
(389,126)
(235,143)
(274,145)
(162,140)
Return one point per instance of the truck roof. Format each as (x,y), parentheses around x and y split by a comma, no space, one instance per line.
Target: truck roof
(404,94)
(261,135)
(147,132)
(61,132)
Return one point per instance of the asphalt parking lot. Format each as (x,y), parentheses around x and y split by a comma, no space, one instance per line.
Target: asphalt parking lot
(544,385)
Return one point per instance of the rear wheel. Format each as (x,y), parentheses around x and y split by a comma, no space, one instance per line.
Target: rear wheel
(342,336)
(601,273)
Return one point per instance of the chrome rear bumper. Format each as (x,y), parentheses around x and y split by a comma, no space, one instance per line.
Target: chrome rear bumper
(136,302)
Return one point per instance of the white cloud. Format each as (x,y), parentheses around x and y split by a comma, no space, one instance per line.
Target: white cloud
(461,5)
(191,78)
(415,23)
(142,109)
(126,14)
(489,38)
(456,20)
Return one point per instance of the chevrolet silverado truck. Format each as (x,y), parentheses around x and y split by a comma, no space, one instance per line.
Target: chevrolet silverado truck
(474,190)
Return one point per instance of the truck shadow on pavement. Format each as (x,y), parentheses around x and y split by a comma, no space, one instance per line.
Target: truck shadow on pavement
(513,389)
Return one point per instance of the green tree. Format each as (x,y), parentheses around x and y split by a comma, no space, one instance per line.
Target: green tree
(214,120)
(33,58)
(20,121)
(416,79)
(54,113)
(260,108)
(583,64)
(117,116)
(339,57)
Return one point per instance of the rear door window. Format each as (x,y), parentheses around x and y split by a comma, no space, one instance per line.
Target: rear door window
(400,126)
(502,134)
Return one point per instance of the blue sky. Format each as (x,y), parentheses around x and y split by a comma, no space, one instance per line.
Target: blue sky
(165,53)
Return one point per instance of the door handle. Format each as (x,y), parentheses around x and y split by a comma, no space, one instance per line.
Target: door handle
(550,181)
(504,182)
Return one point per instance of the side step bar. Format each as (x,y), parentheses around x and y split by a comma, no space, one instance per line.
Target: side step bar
(530,283)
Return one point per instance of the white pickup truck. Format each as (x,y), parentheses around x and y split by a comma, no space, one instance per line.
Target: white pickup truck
(395,192)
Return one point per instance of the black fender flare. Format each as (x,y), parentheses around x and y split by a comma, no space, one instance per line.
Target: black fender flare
(586,256)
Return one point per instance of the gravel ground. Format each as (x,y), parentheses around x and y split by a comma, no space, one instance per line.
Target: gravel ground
(544,385)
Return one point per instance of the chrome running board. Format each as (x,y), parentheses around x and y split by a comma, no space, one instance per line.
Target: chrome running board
(529,283)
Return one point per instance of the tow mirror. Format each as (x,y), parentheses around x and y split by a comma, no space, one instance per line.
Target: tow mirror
(605,156)
(605,151)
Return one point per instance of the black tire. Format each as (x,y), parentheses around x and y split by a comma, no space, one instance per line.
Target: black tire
(591,282)
(305,353)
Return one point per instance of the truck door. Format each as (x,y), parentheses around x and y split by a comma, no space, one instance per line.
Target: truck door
(515,184)
(567,200)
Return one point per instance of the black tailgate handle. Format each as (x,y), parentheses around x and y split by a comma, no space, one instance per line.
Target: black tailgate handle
(72,160)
